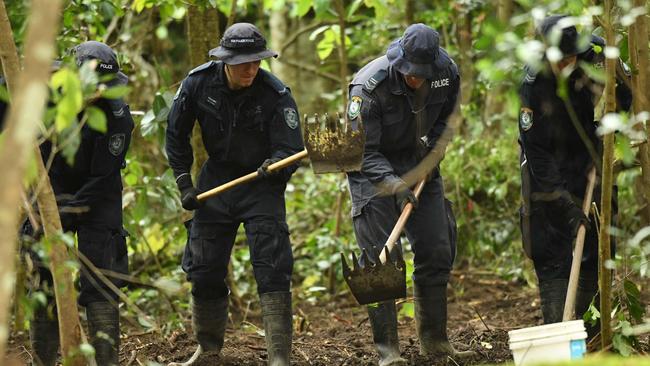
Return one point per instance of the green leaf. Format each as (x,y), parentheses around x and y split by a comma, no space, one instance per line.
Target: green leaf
(69,105)
(354,7)
(381,9)
(116,92)
(144,322)
(162,32)
(321,7)
(131,179)
(303,7)
(87,350)
(147,125)
(407,310)
(622,345)
(96,119)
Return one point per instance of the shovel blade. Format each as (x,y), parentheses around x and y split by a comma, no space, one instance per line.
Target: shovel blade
(334,144)
(376,283)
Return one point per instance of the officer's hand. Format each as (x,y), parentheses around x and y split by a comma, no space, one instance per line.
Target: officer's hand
(263,171)
(403,195)
(189,199)
(189,194)
(576,217)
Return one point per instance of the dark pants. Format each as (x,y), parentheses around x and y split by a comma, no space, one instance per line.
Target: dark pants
(431,230)
(551,242)
(104,247)
(260,207)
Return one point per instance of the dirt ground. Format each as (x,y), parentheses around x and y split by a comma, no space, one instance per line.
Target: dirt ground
(482,309)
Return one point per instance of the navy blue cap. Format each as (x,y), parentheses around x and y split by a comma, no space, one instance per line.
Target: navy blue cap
(418,52)
(567,38)
(106,58)
(241,43)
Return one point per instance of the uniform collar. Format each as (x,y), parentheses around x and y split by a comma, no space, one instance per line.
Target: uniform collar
(396,83)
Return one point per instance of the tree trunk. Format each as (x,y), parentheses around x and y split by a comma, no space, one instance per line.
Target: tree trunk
(203,34)
(343,55)
(466,65)
(408,12)
(606,188)
(29,98)
(638,48)
(494,98)
(279,31)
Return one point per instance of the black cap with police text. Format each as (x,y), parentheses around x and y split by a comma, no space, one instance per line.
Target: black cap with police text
(106,58)
(241,43)
(418,52)
(562,34)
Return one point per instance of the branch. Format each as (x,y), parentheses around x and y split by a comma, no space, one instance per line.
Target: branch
(293,37)
(310,68)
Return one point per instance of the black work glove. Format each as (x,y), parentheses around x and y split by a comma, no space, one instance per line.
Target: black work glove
(263,171)
(573,215)
(189,193)
(403,194)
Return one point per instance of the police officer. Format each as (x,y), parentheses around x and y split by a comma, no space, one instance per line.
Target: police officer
(404,100)
(248,120)
(89,195)
(555,161)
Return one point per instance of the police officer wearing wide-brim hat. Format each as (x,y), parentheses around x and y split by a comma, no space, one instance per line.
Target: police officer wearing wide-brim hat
(555,161)
(405,99)
(89,196)
(248,120)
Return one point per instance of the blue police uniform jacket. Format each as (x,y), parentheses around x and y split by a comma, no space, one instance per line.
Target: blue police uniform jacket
(240,129)
(91,187)
(555,160)
(396,138)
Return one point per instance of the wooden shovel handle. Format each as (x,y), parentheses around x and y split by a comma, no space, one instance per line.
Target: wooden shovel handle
(570,302)
(252,176)
(401,221)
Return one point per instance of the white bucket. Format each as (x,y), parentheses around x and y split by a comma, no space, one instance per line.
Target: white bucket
(548,343)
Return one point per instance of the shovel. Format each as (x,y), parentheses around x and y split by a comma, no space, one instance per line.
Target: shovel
(385,280)
(333,145)
(570,302)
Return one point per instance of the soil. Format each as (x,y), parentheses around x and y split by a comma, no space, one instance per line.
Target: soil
(482,309)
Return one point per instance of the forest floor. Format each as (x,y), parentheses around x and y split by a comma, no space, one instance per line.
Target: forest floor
(482,309)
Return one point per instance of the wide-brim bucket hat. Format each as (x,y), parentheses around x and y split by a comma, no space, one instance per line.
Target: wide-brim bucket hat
(242,43)
(418,52)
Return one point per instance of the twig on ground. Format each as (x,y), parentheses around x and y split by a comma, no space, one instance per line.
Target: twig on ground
(482,321)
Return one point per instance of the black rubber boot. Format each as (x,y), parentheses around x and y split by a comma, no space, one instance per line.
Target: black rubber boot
(44,336)
(276,314)
(104,331)
(209,318)
(587,291)
(431,323)
(553,295)
(383,320)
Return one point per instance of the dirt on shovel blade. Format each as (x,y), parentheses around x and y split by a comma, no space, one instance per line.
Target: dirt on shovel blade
(334,145)
(375,282)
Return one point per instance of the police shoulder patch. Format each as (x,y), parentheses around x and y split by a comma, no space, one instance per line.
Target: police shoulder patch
(291,118)
(354,109)
(116,144)
(526,118)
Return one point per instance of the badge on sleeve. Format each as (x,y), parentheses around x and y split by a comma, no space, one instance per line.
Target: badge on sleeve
(291,118)
(355,107)
(116,143)
(526,118)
